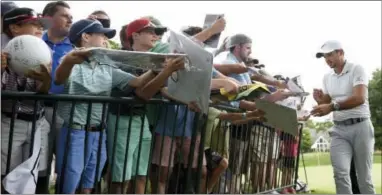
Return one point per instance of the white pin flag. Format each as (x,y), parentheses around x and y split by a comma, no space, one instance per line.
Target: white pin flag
(23,179)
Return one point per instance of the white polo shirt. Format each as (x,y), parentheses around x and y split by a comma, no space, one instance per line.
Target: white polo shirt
(340,86)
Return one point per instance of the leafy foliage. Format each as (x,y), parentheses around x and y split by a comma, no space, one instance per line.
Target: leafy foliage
(375,101)
(319,126)
(114,45)
(306,141)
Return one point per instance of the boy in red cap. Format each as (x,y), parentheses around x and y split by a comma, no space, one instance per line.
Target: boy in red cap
(139,35)
(98,77)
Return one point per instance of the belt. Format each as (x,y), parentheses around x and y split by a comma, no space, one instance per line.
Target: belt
(91,128)
(350,121)
(125,112)
(25,117)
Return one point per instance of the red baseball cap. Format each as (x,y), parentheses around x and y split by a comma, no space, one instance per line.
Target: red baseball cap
(142,24)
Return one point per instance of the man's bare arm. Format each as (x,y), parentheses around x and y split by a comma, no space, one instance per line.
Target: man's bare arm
(148,84)
(227,69)
(65,68)
(247,105)
(63,72)
(268,80)
(216,28)
(357,98)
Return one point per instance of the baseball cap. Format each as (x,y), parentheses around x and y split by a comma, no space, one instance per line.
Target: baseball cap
(18,15)
(237,40)
(7,6)
(89,26)
(142,24)
(327,47)
(154,20)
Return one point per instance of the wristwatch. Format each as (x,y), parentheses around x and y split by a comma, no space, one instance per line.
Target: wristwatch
(244,115)
(336,106)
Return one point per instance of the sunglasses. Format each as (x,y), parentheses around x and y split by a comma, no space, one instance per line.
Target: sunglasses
(156,31)
(24,17)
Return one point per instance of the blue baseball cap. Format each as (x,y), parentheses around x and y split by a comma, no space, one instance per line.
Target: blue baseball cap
(89,26)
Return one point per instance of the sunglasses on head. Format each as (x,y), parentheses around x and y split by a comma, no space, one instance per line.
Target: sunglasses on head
(105,22)
(20,18)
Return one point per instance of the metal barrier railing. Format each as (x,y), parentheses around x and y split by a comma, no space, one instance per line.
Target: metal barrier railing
(120,153)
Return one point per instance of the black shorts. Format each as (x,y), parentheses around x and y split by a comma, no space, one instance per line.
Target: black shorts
(213,159)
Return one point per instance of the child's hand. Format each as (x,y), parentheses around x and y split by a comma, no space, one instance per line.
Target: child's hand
(193,106)
(77,56)
(43,75)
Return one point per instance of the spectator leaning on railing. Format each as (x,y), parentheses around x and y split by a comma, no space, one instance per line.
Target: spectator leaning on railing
(17,22)
(239,47)
(216,146)
(175,135)
(95,78)
(218,79)
(141,35)
(56,38)
(239,51)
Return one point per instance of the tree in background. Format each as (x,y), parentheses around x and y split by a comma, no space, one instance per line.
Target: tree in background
(306,135)
(114,45)
(319,126)
(306,141)
(323,126)
(375,101)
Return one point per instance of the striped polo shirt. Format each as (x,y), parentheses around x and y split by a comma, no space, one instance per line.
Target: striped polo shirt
(96,78)
(10,81)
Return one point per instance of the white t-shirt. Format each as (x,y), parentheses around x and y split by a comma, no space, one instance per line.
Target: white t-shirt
(340,87)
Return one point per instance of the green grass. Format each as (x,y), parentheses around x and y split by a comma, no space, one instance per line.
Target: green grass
(320,173)
(321,159)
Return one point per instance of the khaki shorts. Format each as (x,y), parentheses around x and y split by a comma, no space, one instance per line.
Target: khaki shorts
(22,142)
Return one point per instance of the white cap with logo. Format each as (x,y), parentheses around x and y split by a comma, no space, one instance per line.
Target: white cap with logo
(327,47)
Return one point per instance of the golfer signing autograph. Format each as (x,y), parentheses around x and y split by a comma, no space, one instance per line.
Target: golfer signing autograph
(345,94)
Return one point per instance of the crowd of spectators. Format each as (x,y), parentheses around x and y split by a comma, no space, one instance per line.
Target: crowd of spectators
(235,143)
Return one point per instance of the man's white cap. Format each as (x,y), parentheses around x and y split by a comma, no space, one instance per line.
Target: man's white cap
(328,47)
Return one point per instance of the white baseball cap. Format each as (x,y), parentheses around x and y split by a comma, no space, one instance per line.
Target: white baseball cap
(328,47)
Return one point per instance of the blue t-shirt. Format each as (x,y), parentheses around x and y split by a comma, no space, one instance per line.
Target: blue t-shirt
(59,50)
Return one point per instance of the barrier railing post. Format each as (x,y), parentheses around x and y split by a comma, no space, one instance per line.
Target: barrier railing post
(266,171)
(301,126)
